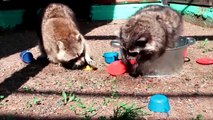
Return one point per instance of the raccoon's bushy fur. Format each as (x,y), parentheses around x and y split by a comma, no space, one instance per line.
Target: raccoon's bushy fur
(147,34)
(61,40)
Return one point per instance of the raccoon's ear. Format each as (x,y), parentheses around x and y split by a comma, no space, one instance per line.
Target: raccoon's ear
(117,33)
(79,37)
(60,45)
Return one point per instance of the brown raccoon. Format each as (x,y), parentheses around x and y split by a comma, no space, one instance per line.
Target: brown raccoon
(147,34)
(61,40)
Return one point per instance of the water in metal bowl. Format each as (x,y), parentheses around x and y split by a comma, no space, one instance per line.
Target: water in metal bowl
(170,62)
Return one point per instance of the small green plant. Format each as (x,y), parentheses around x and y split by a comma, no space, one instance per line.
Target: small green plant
(27,89)
(91,108)
(73,108)
(128,112)
(68,97)
(115,94)
(64,95)
(77,99)
(199,117)
(71,97)
(1,97)
(203,46)
(89,111)
(81,105)
(36,101)
(204,43)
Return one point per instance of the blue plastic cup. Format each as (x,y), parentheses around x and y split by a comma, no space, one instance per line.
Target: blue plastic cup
(110,57)
(159,103)
(26,56)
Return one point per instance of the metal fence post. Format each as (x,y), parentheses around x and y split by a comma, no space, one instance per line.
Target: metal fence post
(164,2)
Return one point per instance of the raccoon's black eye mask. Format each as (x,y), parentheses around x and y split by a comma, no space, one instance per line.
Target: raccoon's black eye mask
(133,54)
(140,43)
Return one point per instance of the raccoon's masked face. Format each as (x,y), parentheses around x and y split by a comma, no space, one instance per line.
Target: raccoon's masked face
(70,50)
(135,44)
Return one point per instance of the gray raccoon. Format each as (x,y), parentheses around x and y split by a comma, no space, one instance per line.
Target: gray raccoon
(147,34)
(61,40)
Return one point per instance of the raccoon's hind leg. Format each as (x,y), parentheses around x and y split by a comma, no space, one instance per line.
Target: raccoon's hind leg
(43,56)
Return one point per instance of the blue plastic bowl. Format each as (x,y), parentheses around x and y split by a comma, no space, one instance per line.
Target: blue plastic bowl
(110,57)
(26,56)
(159,103)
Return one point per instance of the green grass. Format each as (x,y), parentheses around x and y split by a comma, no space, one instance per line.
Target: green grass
(204,46)
(198,117)
(27,89)
(1,97)
(204,43)
(128,112)
(68,97)
(122,111)
(36,101)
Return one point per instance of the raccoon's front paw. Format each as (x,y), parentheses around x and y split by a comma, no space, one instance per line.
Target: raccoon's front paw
(76,66)
(79,64)
(134,74)
(134,71)
(91,62)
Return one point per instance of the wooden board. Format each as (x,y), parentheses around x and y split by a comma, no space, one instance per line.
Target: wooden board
(198,15)
(202,16)
(11,18)
(110,12)
(195,2)
(122,1)
(123,11)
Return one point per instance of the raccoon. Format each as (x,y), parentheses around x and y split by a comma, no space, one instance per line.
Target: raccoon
(61,41)
(147,34)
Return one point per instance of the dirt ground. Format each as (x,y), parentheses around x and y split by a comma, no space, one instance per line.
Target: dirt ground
(34,91)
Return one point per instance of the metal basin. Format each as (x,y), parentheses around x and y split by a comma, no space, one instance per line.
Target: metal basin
(170,62)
